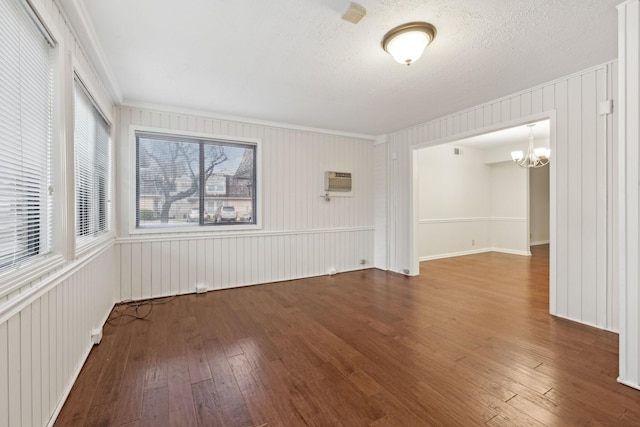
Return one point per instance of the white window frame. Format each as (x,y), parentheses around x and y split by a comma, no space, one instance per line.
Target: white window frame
(81,246)
(12,280)
(133,129)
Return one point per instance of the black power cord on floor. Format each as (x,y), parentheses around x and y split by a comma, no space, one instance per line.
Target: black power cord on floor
(134,310)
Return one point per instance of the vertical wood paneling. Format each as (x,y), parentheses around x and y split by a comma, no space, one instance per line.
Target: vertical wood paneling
(156,268)
(380,205)
(562,207)
(53,348)
(192,267)
(45,350)
(47,341)
(602,246)
(536,101)
(184,267)
(525,104)
(574,198)
(209,264)
(614,206)
(175,267)
(146,287)
(25,366)
(14,377)
(4,376)
(589,210)
(581,257)
(136,273)
(628,197)
(36,365)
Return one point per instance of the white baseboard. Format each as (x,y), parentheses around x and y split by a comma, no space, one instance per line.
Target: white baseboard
(540,242)
(511,251)
(628,383)
(455,254)
(473,252)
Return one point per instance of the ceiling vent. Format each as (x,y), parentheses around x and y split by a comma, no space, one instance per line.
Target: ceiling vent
(354,13)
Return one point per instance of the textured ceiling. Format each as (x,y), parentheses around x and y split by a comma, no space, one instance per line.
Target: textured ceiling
(297,62)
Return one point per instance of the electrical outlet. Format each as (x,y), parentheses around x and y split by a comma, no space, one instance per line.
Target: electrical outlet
(363,261)
(473,242)
(96,336)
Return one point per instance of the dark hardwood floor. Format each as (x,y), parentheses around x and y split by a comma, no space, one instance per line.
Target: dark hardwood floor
(468,342)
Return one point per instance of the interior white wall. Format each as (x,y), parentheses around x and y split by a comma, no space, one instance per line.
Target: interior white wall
(582,289)
(539,205)
(466,206)
(509,204)
(302,235)
(454,202)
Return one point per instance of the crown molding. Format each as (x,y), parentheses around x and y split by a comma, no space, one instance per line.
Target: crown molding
(83,30)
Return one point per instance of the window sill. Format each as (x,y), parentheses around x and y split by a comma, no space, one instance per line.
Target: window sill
(208,229)
(19,277)
(91,245)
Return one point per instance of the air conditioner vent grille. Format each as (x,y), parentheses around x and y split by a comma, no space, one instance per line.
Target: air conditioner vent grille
(337,181)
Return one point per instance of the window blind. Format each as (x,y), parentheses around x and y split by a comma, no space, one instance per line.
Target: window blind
(92,166)
(26,59)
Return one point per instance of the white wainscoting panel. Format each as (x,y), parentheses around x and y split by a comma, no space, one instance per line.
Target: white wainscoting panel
(46,339)
(581,251)
(169,266)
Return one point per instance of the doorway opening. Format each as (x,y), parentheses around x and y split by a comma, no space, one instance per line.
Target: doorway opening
(470,197)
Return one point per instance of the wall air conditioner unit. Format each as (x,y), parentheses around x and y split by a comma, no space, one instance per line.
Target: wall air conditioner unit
(337,181)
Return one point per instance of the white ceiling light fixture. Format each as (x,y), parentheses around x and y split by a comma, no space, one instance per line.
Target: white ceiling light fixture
(407,42)
(535,157)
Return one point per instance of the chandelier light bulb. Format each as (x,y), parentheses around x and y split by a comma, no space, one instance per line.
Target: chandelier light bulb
(535,157)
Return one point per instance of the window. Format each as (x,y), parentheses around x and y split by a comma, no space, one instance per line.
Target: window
(26,92)
(182,181)
(92,166)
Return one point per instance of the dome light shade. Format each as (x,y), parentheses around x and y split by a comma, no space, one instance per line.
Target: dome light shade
(407,42)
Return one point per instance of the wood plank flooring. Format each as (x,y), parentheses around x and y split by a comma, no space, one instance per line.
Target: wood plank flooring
(469,342)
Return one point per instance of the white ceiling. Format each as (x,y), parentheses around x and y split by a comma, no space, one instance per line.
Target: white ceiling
(516,134)
(297,62)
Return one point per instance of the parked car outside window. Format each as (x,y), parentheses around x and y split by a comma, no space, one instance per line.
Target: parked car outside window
(226,213)
(193,215)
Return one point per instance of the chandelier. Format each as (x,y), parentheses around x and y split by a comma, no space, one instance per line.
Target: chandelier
(534,157)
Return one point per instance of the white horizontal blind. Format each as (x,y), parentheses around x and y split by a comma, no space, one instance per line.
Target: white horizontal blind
(92,166)
(26,81)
